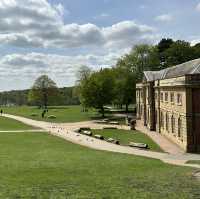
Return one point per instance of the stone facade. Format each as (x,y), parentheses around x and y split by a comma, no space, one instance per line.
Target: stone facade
(171,106)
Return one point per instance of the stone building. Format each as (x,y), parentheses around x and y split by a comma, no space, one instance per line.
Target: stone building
(168,102)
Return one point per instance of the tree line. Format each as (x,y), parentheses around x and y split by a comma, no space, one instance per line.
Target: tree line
(117,84)
(21,97)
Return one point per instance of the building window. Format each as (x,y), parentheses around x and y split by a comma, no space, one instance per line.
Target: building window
(162,120)
(180,130)
(179,99)
(166,97)
(161,97)
(172,97)
(167,121)
(173,124)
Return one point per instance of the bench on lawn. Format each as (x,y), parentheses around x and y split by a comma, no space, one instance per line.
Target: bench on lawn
(114,141)
(89,133)
(99,137)
(104,121)
(114,123)
(83,129)
(138,145)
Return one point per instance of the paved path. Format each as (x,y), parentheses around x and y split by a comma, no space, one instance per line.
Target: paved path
(66,131)
(161,140)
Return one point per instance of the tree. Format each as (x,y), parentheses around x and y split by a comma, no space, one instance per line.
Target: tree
(83,75)
(196,49)
(142,57)
(164,44)
(98,89)
(43,92)
(124,86)
(179,52)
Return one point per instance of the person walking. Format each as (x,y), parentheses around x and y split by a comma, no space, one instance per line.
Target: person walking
(1,112)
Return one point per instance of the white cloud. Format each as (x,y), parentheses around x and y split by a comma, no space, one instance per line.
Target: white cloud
(194,42)
(37,23)
(198,7)
(164,18)
(104,15)
(61,68)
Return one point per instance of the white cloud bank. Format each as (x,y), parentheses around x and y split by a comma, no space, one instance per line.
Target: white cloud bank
(36,23)
(23,69)
(164,18)
(39,24)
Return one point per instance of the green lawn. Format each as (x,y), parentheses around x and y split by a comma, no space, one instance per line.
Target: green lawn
(125,136)
(7,124)
(62,113)
(194,162)
(41,166)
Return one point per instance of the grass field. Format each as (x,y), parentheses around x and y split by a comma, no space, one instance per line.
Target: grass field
(7,124)
(194,162)
(125,136)
(62,113)
(42,166)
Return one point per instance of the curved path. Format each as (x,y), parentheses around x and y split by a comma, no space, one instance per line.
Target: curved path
(66,131)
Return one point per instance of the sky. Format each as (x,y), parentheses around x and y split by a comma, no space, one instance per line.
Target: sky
(57,37)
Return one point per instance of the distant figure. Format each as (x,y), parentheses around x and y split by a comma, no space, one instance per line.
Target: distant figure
(43,113)
(1,111)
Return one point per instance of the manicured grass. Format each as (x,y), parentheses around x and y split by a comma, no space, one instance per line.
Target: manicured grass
(193,162)
(62,113)
(125,136)
(37,165)
(10,124)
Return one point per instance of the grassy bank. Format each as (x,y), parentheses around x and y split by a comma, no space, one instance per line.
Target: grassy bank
(61,113)
(10,124)
(125,136)
(37,165)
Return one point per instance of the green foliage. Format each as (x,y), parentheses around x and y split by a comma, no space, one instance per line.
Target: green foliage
(124,86)
(38,165)
(43,92)
(179,52)
(98,89)
(51,117)
(14,97)
(67,96)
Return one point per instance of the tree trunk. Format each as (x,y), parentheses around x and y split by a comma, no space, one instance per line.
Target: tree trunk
(102,111)
(45,99)
(127,108)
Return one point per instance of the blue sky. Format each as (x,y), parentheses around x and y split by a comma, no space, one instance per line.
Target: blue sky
(56,37)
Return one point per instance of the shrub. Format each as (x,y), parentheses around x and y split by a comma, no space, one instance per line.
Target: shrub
(51,117)
(34,114)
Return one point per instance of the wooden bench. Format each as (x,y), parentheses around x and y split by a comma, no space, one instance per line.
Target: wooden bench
(138,145)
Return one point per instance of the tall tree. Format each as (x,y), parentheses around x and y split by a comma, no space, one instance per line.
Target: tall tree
(43,92)
(124,86)
(98,89)
(142,57)
(82,75)
(179,52)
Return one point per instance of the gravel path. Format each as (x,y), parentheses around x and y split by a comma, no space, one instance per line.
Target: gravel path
(66,131)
